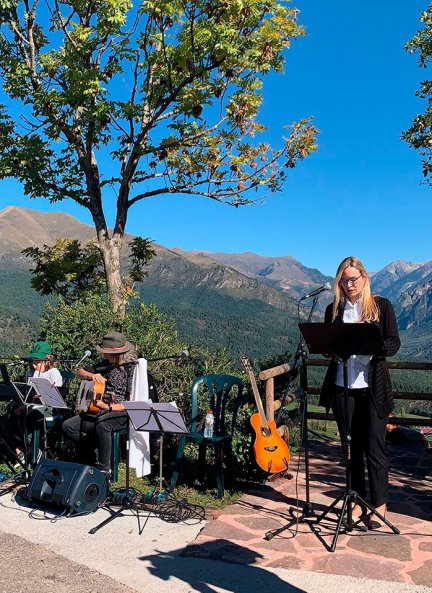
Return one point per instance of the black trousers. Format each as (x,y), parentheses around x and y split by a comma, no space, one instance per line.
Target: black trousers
(16,422)
(93,433)
(367,432)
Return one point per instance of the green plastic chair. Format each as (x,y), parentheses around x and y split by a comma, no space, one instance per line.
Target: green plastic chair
(221,391)
(116,452)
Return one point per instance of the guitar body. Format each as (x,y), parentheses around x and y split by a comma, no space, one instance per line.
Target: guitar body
(271,451)
(98,392)
(92,409)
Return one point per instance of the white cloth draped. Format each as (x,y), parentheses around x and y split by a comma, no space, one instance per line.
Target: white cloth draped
(139,441)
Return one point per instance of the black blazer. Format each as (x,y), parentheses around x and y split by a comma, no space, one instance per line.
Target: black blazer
(379,376)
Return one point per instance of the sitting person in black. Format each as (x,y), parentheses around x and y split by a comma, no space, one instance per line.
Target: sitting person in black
(92,431)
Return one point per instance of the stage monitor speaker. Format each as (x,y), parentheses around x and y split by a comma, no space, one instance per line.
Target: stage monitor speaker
(75,487)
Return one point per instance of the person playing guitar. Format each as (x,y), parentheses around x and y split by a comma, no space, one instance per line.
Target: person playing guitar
(112,380)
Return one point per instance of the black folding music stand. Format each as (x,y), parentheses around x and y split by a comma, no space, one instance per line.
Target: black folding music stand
(149,417)
(49,397)
(156,418)
(23,394)
(299,364)
(342,340)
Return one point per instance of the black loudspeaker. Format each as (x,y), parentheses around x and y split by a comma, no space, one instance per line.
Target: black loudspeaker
(75,487)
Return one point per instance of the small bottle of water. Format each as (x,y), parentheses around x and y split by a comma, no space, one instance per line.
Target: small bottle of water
(209,422)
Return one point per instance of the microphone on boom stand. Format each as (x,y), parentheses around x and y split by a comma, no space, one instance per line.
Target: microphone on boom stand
(177,357)
(87,353)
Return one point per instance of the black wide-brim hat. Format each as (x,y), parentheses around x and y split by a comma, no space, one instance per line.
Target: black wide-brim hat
(114,343)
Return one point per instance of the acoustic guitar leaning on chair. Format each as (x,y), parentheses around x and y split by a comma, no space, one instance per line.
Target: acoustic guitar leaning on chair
(271,451)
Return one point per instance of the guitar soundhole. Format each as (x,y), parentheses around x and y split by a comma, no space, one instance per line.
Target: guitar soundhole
(270,449)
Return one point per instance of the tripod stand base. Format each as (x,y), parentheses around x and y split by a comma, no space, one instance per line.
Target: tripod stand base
(307,516)
(349,523)
(126,506)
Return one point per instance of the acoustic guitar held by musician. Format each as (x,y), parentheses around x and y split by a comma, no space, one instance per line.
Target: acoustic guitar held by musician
(271,452)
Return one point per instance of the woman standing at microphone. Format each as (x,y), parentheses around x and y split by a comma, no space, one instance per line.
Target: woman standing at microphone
(370,397)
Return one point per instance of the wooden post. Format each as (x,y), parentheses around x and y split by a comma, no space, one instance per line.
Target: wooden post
(271,405)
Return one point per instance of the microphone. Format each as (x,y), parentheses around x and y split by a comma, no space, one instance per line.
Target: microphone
(15,362)
(183,354)
(314,293)
(87,353)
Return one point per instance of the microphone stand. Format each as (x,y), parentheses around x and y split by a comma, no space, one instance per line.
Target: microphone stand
(177,357)
(299,364)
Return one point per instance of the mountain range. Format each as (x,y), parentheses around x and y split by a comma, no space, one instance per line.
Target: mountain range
(246,302)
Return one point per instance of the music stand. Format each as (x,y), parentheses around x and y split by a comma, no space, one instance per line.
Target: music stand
(342,340)
(149,417)
(299,364)
(23,395)
(50,397)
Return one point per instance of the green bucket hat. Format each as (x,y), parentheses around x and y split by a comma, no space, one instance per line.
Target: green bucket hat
(40,351)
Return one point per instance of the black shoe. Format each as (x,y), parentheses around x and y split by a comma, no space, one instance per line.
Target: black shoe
(103,470)
(370,523)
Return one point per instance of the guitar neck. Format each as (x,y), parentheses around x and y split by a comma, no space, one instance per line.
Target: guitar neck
(256,392)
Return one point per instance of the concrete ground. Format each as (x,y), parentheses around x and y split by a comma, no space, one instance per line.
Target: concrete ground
(227,552)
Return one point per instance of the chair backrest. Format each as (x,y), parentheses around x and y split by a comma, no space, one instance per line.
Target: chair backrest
(67,377)
(221,389)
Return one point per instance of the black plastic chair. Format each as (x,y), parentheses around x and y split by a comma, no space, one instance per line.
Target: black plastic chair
(221,391)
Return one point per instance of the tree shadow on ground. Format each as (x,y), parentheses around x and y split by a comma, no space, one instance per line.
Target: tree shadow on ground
(202,567)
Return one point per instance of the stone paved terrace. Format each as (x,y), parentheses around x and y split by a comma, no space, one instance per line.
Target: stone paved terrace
(236,534)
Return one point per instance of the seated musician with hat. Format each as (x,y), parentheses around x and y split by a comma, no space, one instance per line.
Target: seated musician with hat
(92,428)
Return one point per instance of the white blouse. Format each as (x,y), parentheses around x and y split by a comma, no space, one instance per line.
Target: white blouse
(358,364)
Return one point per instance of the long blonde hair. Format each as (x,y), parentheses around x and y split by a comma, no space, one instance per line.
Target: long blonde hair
(370,311)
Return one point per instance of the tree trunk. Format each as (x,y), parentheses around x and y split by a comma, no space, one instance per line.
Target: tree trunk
(111,250)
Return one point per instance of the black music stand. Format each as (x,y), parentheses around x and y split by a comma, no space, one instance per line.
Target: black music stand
(50,397)
(23,392)
(342,340)
(149,417)
(299,366)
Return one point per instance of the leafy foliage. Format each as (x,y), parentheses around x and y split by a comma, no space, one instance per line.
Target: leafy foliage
(72,328)
(419,135)
(136,100)
(66,269)
(72,271)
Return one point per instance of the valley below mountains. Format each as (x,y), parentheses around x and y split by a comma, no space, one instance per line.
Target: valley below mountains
(244,302)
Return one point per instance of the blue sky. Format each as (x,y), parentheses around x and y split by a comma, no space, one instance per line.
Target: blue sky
(361,193)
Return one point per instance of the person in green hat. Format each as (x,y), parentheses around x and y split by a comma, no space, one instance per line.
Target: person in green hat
(16,423)
(42,363)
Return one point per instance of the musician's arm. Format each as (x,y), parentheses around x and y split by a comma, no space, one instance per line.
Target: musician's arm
(88,375)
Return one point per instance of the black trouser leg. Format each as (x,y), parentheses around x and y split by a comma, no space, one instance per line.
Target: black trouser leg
(367,441)
(104,427)
(81,430)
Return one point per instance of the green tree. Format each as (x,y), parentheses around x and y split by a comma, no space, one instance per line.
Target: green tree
(121,102)
(73,328)
(73,271)
(419,135)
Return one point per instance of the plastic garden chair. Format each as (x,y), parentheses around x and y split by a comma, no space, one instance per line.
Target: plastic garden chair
(223,392)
